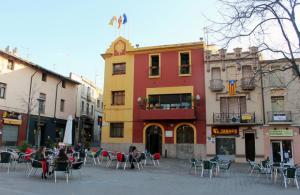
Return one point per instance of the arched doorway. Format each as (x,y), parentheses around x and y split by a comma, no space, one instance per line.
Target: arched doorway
(185,135)
(154,139)
(185,139)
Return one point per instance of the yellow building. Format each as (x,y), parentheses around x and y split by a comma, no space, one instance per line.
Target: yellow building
(118,94)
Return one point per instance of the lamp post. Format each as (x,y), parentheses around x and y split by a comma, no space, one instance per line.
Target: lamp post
(40,100)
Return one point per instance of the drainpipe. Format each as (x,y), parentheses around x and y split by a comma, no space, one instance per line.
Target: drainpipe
(54,115)
(28,106)
(262,95)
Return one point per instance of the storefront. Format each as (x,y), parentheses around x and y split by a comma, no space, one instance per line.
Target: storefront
(282,144)
(11,125)
(225,140)
(239,143)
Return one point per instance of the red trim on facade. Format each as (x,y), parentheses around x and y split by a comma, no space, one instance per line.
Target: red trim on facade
(169,77)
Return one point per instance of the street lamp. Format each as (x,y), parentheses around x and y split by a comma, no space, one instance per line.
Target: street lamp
(40,100)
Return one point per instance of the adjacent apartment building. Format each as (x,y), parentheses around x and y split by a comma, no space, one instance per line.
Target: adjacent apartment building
(234,105)
(34,102)
(281,97)
(89,111)
(154,98)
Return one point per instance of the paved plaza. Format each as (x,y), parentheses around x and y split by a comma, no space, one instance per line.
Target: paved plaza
(171,177)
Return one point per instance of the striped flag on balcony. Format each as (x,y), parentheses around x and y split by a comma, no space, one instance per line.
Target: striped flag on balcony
(232,87)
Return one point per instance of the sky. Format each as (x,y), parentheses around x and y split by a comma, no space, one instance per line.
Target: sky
(69,35)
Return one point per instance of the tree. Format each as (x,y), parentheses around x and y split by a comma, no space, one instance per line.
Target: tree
(272,25)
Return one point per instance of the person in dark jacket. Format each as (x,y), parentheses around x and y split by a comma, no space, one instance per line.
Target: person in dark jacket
(133,155)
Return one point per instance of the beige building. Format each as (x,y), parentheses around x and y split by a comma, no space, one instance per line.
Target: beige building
(23,85)
(89,111)
(282,110)
(233,105)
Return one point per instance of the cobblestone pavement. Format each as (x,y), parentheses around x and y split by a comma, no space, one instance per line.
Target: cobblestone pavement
(171,177)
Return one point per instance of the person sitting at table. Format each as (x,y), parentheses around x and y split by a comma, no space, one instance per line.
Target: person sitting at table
(62,156)
(41,157)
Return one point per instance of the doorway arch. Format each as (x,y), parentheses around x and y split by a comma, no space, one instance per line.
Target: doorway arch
(153,138)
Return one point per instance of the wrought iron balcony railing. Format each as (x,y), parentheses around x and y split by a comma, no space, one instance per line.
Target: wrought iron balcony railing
(248,83)
(233,118)
(280,116)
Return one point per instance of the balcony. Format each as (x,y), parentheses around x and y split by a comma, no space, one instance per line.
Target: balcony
(89,97)
(248,83)
(168,114)
(280,117)
(87,114)
(216,85)
(234,118)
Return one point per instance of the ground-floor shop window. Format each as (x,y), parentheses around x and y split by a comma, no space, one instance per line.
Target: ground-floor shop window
(10,135)
(225,146)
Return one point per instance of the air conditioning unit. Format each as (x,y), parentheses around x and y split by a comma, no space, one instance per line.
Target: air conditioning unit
(234,119)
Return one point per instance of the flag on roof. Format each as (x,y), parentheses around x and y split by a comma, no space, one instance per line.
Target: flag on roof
(124,18)
(112,20)
(120,21)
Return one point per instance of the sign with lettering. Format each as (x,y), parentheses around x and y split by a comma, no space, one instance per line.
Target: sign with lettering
(12,121)
(246,117)
(281,133)
(168,133)
(215,131)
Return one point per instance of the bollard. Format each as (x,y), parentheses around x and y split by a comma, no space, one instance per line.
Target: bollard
(166,153)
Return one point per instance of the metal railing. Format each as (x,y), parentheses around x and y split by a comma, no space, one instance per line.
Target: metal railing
(280,116)
(216,85)
(248,83)
(233,118)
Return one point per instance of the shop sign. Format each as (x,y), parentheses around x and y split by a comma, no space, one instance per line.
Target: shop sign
(246,117)
(12,121)
(168,133)
(281,133)
(279,117)
(215,131)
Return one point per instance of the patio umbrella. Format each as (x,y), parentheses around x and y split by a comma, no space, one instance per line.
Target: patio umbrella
(68,131)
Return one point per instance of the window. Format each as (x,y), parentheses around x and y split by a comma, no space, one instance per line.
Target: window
(154,65)
(277,103)
(185,63)
(2,90)
(170,101)
(42,103)
(118,98)
(87,108)
(116,129)
(185,135)
(276,78)
(44,76)
(92,109)
(216,73)
(225,146)
(233,105)
(98,103)
(82,106)
(119,68)
(10,65)
(247,72)
(101,105)
(62,105)
(63,84)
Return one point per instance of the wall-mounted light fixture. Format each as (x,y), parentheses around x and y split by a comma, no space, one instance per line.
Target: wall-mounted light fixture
(140,102)
(197,99)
